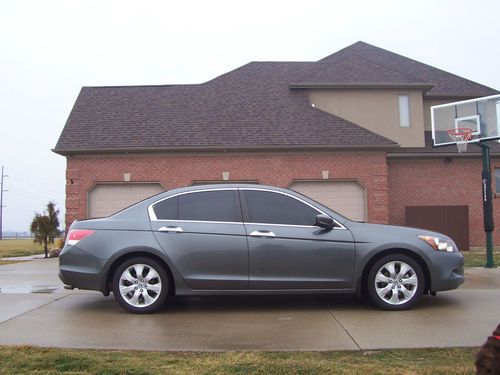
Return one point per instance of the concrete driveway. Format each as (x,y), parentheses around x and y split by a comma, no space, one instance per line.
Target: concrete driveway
(36,310)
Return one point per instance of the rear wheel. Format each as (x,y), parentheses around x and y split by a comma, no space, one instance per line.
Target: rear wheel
(395,282)
(140,285)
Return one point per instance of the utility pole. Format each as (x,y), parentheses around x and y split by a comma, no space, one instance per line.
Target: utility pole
(2,190)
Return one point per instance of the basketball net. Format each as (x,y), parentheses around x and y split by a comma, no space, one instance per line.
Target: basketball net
(461,136)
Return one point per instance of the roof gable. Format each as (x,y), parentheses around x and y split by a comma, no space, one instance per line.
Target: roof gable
(356,69)
(445,84)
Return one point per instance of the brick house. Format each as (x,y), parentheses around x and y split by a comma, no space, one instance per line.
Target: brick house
(351,130)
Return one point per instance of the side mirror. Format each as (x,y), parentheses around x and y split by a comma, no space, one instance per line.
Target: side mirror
(324,221)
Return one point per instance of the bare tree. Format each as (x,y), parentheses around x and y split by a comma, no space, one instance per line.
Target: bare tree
(45,227)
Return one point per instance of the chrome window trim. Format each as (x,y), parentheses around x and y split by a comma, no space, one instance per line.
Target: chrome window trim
(284,225)
(232,222)
(152,215)
(197,221)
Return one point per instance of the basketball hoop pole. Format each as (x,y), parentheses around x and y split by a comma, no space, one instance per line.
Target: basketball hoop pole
(487,204)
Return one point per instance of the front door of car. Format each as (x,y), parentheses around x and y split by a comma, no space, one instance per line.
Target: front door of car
(286,249)
(203,234)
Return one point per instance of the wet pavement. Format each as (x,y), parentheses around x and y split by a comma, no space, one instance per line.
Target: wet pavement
(36,310)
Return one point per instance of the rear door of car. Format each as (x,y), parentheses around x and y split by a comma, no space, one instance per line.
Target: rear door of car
(203,234)
(286,249)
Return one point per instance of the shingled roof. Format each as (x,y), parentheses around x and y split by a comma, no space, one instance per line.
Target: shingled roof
(444,84)
(357,70)
(251,107)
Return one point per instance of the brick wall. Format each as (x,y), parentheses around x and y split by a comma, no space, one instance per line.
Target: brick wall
(440,182)
(391,185)
(277,169)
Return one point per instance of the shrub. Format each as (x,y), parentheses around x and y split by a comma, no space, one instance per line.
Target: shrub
(54,253)
(59,243)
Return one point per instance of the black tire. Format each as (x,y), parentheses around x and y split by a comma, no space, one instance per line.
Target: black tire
(141,300)
(401,293)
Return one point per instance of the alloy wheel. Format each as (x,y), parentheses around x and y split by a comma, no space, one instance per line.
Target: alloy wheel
(140,285)
(396,282)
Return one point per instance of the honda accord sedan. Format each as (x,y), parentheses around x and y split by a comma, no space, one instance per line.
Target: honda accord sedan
(252,239)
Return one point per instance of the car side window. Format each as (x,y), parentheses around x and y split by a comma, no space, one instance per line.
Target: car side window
(167,209)
(275,208)
(215,205)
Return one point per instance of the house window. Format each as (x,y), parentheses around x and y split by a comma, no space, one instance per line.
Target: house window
(404,110)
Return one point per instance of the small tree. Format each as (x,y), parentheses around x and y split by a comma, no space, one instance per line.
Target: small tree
(45,227)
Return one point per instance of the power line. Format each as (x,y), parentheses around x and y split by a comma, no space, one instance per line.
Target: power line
(31,195)
(31,184)
(2,190)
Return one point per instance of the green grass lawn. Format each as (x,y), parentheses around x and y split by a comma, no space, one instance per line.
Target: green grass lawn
(19,248)
(477,258)
(24,360)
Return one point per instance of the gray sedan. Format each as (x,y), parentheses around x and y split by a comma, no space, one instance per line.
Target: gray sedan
(252,239)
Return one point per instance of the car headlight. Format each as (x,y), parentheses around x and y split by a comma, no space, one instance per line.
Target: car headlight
(439,243)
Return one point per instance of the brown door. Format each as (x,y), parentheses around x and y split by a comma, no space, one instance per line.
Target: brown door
(450,220)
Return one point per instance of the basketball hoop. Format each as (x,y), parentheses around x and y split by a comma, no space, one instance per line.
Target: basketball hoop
(461,136)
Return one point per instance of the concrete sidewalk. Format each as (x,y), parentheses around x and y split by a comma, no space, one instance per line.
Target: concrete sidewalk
(36,310)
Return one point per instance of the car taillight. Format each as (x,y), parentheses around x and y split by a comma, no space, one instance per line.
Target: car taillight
(75,235)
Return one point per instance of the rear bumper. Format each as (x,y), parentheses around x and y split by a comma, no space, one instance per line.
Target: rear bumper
(80,280)
(79,269)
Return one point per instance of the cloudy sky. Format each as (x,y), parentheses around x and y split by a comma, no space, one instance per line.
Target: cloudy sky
(49,49)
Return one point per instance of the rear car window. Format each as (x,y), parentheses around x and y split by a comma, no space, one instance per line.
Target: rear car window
(201,206)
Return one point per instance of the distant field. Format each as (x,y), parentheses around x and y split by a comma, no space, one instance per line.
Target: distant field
(19,248)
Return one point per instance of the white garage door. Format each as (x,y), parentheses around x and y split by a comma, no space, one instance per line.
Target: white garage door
(345,197)
(106,199)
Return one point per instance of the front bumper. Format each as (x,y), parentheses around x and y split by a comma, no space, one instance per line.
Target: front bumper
(448,271)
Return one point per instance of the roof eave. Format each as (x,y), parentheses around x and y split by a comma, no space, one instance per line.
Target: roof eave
(361,85)
(433,155)
(135,150)
(457,96)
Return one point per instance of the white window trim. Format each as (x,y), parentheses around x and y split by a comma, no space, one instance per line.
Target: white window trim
(402,123)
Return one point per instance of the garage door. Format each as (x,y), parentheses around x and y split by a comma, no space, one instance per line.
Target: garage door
(106,199)
(345,197)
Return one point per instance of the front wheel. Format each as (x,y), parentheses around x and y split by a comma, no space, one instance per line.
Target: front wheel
(395,282)
(140,285)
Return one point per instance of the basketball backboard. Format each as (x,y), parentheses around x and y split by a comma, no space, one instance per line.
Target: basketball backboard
(481,116)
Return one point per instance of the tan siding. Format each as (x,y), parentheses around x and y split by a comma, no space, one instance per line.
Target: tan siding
(376,110)
(428,103)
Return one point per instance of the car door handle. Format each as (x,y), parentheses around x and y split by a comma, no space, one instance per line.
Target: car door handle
(262,233)
(171,229)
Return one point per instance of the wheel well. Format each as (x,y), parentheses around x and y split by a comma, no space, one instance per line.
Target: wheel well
(411,254)
(124,257)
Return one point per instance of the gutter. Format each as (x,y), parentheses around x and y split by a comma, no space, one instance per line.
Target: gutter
(360,85)
(133,150)
(428,155)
